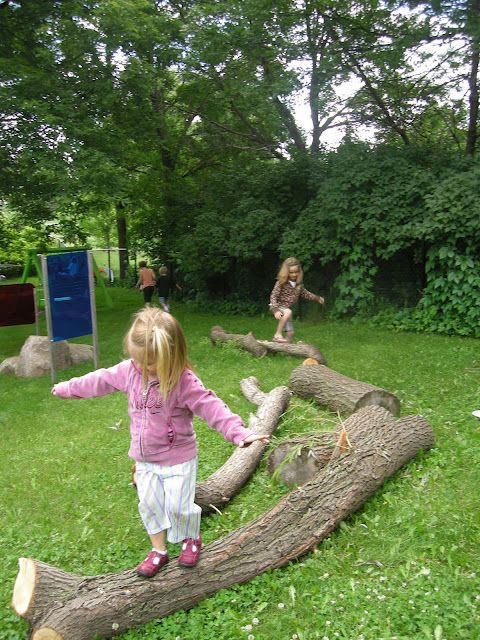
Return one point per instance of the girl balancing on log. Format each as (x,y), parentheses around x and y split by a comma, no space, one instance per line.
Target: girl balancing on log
(163,394)
(287,290)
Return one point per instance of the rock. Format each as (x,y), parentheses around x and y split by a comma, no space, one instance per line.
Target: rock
(34,358)
(80,352)
(9,365)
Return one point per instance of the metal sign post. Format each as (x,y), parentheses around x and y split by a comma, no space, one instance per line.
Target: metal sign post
(93,309)
(48,314)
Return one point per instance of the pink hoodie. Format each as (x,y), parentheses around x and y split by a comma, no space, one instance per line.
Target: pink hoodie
(161,431)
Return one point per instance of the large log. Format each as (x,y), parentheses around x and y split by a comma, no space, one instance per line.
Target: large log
(217,489)
(261,347)
(338,392)
(297,460)
(248,342)
(61,606)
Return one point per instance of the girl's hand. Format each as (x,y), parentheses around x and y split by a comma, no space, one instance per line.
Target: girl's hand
(278,315)
(54,393)
(249,439)
(320,300)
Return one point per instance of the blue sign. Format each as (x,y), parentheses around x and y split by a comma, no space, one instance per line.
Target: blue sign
(69,289)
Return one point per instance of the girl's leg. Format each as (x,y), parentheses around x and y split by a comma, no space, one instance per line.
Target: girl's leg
(147,294)
(151,502)
(159,541)
(183,513)
(152,510)
(286,315)
(289,329)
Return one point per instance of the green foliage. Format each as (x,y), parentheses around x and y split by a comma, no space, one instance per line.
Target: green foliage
(16,239)
(449,304)
(231,305)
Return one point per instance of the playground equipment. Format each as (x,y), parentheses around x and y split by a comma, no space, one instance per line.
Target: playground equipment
(33,261)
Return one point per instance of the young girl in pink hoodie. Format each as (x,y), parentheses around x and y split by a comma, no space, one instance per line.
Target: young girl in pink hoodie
(163,395)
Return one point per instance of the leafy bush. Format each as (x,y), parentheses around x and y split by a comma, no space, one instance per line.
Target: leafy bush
(229,306)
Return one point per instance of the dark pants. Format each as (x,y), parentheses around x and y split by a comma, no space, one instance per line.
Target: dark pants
(147,294)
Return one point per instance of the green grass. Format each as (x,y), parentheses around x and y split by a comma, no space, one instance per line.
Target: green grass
(405,566)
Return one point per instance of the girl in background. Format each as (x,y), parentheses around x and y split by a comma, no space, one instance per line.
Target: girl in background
(163,395)
(146,281)
(287,290)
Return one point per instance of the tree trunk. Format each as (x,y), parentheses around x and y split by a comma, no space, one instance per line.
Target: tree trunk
(62,606)
(217,490)
(260,348)
(122,240)
(337,392)
(248,342)
(297,460)
(472,135)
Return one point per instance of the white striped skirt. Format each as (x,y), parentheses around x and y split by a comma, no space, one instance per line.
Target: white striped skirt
(166,499)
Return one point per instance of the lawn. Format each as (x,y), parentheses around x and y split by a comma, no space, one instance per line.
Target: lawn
(405,566)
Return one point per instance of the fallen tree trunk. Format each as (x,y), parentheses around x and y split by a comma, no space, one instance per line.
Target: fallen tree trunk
(248,342)
(61,606)
(217,489)
(260,348)
(337,392)
(297,460)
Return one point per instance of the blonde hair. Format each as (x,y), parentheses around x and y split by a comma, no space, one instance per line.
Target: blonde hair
(282,275)
(156,339)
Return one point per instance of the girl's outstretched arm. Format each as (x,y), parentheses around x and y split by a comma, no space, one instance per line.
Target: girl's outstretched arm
(207,405)
(96,383)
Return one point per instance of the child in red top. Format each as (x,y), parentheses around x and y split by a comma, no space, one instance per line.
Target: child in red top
(146,281)
(287,290)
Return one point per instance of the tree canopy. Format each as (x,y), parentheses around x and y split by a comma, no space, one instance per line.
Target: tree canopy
(177,123)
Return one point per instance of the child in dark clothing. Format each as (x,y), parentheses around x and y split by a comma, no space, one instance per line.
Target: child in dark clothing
(165,285)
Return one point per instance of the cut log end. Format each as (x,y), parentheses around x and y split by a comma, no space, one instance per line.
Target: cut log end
(46,634)
(310,362)
(24,587)
(380,398)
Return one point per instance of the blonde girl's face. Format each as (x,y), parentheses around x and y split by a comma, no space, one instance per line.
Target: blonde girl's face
(293,272)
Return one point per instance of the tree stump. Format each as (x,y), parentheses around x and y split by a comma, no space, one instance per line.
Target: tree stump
(218,488)
(62,606)
(339,393)
(260,348)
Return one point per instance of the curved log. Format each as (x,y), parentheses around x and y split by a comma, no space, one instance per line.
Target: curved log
(217,489)
(338,392)
(261,347)
(108,605)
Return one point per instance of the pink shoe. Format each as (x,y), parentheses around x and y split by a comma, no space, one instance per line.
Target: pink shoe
(152,564)
(190,552)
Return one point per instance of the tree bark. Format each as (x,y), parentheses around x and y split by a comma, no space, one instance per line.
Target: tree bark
(217,490)
(62,606)
(473,100)
(339,393)
(297,460)
(260,348)
(122,239)
(248,342)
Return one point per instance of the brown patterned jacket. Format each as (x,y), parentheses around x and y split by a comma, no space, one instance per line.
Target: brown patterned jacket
(284,295)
